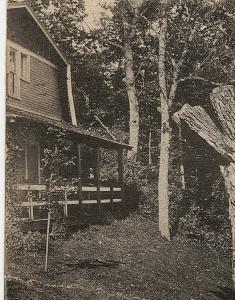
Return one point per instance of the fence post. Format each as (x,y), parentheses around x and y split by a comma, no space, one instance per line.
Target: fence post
(79,159)
(121,174)
(98,178)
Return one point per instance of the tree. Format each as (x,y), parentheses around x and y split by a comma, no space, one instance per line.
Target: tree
(180,28)
(121,31)
(222,139)
(129,31)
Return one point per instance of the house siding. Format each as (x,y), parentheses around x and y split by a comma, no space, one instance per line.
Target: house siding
(41,94)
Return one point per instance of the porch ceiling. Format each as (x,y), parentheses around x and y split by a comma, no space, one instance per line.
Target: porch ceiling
(82,135)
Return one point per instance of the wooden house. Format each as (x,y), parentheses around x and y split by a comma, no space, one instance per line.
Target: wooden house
(39,95)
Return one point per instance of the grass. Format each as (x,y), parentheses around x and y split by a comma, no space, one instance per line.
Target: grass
(126,260)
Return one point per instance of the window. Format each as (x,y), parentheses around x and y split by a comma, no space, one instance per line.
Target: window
(24,66)
(13,74)
(18,68)
(28,163)
(32,163)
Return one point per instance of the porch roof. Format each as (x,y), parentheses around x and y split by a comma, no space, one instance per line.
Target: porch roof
(84,136)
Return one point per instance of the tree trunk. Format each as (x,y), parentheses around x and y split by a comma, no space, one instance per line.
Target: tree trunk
(150,147)
(181,159)
(163,197)
(133,101)
(228,173)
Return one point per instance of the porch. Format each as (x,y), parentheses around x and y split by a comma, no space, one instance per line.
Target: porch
(88,196)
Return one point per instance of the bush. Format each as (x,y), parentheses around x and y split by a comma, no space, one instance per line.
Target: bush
(34,242)
(209,222)
(141,188)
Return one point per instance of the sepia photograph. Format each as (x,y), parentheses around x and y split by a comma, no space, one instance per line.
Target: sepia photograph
(119,149)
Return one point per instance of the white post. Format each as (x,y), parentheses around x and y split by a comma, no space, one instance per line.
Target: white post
(47,242)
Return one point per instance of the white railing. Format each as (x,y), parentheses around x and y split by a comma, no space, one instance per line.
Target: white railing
(30,204)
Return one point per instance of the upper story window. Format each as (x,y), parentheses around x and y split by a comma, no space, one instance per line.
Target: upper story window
(18,67)
(13,76)
(25,68)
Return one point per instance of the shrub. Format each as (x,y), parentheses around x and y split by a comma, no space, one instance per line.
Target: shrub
(209,222)
(34,242)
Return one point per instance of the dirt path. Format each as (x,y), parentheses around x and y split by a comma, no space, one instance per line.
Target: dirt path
(127,260)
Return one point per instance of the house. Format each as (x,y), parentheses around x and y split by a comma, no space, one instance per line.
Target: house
(39,96)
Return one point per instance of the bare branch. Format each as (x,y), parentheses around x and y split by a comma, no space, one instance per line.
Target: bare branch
(186,46)
(105,127)
(112,44)
(141,65)
(200,79)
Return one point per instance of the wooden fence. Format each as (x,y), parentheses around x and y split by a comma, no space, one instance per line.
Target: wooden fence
(34,208)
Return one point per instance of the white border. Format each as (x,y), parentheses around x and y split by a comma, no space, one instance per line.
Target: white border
(2,138)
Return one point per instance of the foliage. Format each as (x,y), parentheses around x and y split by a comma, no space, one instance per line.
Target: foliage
(33,242)
(55,162)
(141,187)
(13,234)
(208,221)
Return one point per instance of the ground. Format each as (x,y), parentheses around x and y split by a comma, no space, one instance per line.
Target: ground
(126,260)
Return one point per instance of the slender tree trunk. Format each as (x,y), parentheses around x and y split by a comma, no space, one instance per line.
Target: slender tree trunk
(181,160)
(133,101)
(228,173)
(150,146)
(163,184)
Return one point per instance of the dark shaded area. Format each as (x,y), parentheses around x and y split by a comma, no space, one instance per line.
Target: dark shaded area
(224,293)
(17,290)
(92,263)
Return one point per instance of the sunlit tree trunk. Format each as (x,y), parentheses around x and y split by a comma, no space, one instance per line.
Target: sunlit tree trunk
(182,174)
(163,197)
(228,173)
(132,98)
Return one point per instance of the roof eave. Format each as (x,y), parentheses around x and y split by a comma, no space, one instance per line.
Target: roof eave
(85,137)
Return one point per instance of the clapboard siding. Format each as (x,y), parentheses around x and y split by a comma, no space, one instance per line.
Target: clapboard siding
(40,95)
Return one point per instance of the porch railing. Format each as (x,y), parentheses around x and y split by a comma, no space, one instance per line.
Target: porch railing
(70,197)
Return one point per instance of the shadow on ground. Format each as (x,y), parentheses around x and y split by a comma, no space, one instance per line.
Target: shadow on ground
(224,293)
(94,264)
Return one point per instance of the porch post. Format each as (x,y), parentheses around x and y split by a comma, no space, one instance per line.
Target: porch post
(111,197)
(79,159)
(120,173)
(98,177)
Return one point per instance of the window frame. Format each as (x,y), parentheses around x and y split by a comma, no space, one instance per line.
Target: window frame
(20,52)
(26,76)
(26,160)
(16,92)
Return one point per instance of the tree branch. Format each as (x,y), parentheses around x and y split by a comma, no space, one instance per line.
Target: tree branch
(186,46)
(105,127)
(200,79)
(112,44)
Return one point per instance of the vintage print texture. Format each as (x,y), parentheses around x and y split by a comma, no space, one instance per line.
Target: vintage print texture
(120,150)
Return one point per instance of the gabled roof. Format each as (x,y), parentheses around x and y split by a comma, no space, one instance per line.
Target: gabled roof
(25,6)
(44,30)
